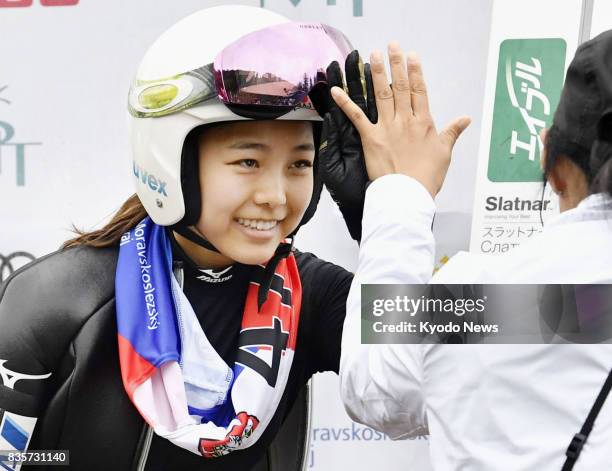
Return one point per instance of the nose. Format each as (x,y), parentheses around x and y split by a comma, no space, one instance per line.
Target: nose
(271,190)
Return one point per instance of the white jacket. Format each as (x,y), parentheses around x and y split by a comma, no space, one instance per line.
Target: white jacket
(486,407)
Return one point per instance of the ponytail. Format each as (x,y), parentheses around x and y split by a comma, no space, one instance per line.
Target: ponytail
(130,214)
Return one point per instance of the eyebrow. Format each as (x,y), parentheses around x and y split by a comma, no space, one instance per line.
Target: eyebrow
(251,145)
(303,147)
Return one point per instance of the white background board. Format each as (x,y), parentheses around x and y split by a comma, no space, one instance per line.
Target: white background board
(63,85)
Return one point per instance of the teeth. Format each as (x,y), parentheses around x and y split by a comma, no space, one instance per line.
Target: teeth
(258,224)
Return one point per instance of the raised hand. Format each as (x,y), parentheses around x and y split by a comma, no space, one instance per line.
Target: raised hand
(404,138)
(341,153)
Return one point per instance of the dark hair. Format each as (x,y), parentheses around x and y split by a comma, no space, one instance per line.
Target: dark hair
(125,219)
(601,157)
(595,163)
(132,211)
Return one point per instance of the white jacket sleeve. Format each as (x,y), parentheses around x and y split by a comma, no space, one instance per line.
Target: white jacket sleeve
(380,385)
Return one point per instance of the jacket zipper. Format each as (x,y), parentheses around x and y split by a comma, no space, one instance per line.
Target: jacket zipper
(146,446)
(306,443)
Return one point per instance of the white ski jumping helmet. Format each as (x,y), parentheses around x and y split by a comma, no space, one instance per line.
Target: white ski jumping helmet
(219,64)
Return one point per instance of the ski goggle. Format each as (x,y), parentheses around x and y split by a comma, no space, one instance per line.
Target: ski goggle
(275,67)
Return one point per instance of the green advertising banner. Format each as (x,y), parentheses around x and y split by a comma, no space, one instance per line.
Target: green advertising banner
(530,76)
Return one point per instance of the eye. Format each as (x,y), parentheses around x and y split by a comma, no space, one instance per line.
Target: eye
(247,163)
(301,164)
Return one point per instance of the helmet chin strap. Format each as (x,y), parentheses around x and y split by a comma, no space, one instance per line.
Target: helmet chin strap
(194,237)
(282,251)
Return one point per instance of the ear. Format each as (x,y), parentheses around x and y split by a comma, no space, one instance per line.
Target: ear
(566,178)
(556,176)
(543,134)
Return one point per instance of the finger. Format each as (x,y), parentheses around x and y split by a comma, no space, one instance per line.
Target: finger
(370,98)
(334,75)
(334,79)
(382,90)
(351,110)
(452,132)
(341,123)
(399,80)
(418,89)
(354,79)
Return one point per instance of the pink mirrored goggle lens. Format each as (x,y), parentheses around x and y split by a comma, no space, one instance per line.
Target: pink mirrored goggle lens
(279,65)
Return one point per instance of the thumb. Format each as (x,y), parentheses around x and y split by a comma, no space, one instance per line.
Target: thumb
(452,132)
(351,110)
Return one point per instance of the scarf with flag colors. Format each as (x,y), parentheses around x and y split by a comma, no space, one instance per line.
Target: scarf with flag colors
(175,378)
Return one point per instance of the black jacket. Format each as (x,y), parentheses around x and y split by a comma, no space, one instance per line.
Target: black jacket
(57,315)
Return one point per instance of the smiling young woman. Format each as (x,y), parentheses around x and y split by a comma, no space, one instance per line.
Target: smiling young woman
(179,335)
(257,181)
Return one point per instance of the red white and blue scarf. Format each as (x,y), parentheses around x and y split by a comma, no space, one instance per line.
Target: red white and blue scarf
(171,372)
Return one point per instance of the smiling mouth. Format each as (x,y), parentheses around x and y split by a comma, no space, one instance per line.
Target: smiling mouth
(258,224)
